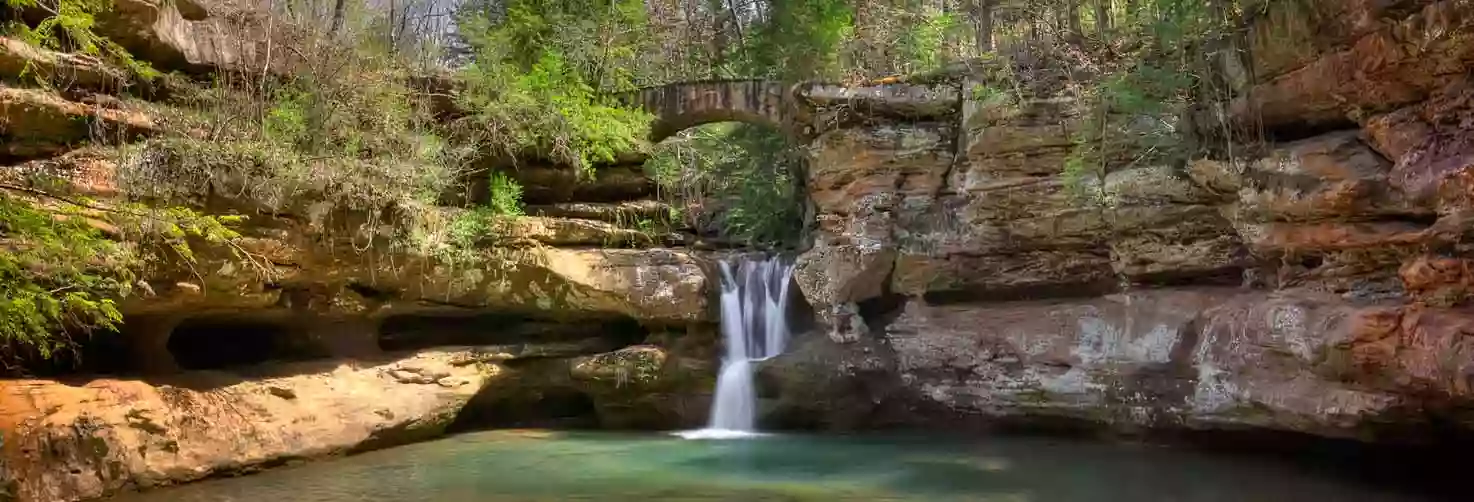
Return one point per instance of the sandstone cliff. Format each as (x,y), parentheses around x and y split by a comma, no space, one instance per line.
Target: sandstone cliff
(336,323)
(1316,284)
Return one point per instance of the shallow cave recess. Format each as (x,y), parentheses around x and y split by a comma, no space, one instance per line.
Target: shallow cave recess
(155,345)
(217,342)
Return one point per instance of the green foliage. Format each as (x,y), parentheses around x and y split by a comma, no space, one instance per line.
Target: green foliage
(68,27)
(505,195)
(741,177)
(62,276)
(536,82)
(800,40)
(1136,103)
(921,43)
(59,274)
(469,227)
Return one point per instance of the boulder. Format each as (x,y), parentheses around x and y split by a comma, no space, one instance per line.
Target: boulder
(67,442)
(25,63)
(194,37)
(645,387)
(36,123)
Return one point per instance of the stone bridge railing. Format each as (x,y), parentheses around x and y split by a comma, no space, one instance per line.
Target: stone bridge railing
(800,109)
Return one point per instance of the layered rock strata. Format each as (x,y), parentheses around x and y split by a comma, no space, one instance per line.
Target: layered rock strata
(1314,285)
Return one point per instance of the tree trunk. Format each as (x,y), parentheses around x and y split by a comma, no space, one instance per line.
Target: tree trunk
(337,17)
(983,22)
(1103,18)
(389,28)
(1072,18)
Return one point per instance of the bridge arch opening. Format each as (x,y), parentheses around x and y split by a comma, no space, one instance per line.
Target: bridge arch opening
(684,105)
(735,182)
(664,128)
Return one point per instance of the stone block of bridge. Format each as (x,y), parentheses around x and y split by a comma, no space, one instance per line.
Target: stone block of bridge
(684,105)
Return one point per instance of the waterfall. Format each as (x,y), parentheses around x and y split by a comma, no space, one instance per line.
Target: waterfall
(754,328)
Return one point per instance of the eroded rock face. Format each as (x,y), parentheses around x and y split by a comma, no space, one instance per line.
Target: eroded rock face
(1374,60)
(1315,285)
(66,442)
(1164,358)
(20,61)
(1195,358)
(192,36)
(36,122)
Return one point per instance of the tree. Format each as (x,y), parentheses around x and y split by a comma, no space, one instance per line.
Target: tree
(982,12)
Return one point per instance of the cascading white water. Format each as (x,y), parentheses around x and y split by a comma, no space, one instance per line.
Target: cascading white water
(754,328)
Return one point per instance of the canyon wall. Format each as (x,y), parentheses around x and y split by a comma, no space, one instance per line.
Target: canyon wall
(317,334)
(1317,284)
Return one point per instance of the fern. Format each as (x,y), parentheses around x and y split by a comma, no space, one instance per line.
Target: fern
(68,26)
(63,277)
(506,195)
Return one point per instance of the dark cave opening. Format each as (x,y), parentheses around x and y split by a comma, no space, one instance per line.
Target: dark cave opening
(104,352)
(221,342)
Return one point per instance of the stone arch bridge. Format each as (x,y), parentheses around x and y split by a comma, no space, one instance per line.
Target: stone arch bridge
(803,110)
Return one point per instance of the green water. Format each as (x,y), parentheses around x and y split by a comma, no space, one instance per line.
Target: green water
(555,466)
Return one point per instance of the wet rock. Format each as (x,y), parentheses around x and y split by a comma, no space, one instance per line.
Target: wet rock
(821,384)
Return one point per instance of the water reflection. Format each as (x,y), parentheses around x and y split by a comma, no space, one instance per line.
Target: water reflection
(539,465)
